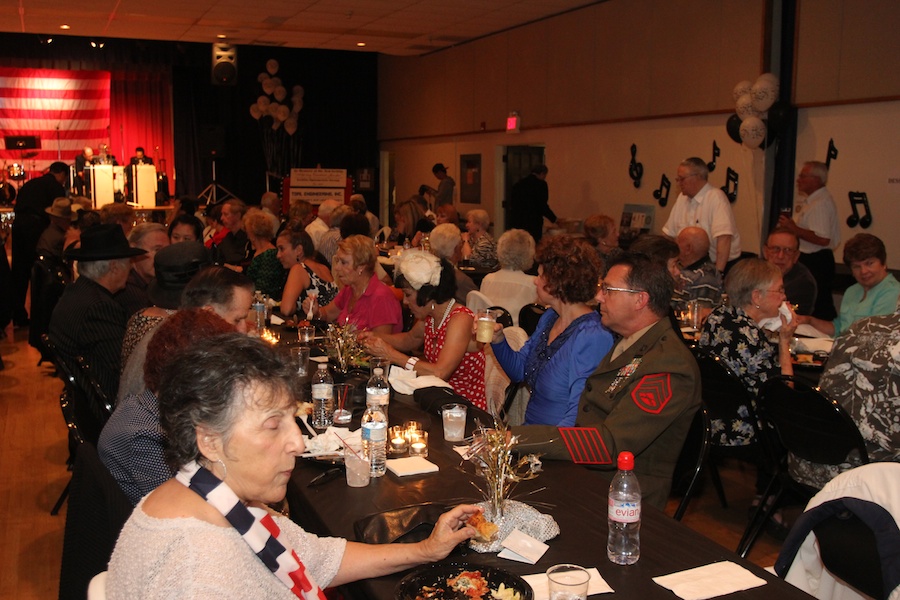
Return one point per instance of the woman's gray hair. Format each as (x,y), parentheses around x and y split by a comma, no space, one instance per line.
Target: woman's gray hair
(515,250)
(747,276)
(141,230)
(481,217)
(444,240)
(211,383)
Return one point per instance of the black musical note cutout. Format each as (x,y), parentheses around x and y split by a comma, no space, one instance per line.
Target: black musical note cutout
(864,221)
(662,194)
(635,169)
(731,177)
(716,153)
(832,153)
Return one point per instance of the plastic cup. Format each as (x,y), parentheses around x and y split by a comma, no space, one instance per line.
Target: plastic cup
(484,326)
(568,582)
(300,360)
(454,418)
(306,334)
(342,414)
(357,467)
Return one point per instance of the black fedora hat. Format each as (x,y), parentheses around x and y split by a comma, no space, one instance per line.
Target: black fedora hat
(175,266)
(103,242)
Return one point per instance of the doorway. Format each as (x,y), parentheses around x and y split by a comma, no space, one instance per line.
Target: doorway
(519,162)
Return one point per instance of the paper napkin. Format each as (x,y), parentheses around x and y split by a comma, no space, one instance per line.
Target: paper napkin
(522,547)
(710,581)
(414,465)
(538,583)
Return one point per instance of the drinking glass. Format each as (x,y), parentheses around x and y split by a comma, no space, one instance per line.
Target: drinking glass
(357,466)
(300,359)
(306,334)
(342,415)
(484,328)
(568,582)
(418,443)
(454,418)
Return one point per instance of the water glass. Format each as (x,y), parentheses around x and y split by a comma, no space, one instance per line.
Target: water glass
(306,334)
(418,443)
(357,466)
(300,360)
(454,418)
(342,414)
(568,582)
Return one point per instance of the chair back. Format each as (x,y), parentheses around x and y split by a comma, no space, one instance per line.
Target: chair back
(691,460)
(529,317)
(475,301)
(503,316)
(98,509)
(722,392)
(49,278)
(809,424)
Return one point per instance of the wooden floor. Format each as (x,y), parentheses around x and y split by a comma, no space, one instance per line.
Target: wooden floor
(33,452)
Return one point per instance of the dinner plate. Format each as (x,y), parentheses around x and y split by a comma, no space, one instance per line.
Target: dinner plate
(410,587)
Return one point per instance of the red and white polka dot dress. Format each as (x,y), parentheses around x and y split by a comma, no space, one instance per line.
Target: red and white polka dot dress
(468,378)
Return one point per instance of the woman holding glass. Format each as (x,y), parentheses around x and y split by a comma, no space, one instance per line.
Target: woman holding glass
(569,341)
(233,442)
(305,275)
(443,328)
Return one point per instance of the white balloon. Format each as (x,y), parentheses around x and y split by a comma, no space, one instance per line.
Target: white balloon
(764,95)
(290,126)
(282,113)
(753,132)
(744,107)
(770,77)
(263,103)
(280,93)
(272,109)
(268,86)
(272,66)
(255,112)
(276,81)
(743,87)
(262,77)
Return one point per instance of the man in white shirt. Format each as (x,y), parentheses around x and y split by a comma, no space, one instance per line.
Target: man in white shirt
(322,222)
(815,223)
(701,205)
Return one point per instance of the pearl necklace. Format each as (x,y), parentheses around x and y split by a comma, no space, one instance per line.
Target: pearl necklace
(446,313)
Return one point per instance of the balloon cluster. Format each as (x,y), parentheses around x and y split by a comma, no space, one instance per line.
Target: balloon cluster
(278,120)
(759,117)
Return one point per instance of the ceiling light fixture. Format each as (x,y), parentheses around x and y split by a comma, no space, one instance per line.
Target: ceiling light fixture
(97,44)
(222,36)
(45,40)
(361,44)
(65,27)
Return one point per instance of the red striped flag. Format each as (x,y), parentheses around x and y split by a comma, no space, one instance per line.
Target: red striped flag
(65,110)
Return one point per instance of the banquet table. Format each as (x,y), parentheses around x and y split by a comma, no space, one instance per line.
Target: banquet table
(574,496)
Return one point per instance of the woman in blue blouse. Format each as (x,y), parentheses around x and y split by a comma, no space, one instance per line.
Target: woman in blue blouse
(569,341)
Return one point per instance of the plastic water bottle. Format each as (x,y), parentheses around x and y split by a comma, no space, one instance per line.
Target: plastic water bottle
(259,315)
(323,398)
(623,546)
(374,438)
(378,391)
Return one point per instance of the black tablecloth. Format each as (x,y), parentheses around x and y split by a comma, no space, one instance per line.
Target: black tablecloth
(574,496)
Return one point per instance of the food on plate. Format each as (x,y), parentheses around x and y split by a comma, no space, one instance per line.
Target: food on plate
(804,358)
(486,530)
(304,409)
(294,323)
(469,585)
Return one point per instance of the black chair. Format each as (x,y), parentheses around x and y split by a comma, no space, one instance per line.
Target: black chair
(503,316)
(810,426)
(49,278)
(691,460)
(529,316)
(98,508)
(723,394)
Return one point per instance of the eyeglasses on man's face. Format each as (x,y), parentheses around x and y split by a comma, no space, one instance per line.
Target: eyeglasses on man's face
(782,250)
(606,289)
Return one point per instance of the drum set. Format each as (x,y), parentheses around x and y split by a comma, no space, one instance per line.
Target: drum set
(13,173)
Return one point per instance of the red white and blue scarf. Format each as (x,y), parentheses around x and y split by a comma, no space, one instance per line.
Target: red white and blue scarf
(257,528)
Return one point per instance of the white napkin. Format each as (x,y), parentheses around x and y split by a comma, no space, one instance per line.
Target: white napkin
(276,320)
(538,583)
(814,345)
(811,332)
(405,381)
(329,442)
(774,323)
(414,465)
(710,581)
(522,547)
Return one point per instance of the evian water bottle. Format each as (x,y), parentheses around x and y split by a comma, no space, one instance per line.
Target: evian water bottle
(623,546)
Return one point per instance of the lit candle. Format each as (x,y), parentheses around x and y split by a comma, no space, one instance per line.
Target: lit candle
(399,440)
(418,443)
(398,444)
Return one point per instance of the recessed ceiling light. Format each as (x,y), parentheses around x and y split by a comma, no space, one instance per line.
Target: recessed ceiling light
(221,36)
(64,27)
(361,44)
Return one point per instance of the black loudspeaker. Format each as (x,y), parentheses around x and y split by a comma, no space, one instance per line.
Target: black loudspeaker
(224,64)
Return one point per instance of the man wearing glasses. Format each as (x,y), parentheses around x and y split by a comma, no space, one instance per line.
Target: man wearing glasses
(643,395)
(782,249)
(701,205)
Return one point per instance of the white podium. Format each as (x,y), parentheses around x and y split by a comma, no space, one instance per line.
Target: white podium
(105,181)
(143,185)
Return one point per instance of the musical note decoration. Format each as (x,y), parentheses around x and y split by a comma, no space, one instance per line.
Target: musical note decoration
(865,221)
(716,153)
(731,185)
(635,169)
(832,153)
(662,194)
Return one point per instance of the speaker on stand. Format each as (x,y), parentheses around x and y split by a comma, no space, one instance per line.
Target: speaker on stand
(224,64)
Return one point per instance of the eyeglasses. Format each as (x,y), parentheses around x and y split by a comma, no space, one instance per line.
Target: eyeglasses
(688,176)
(779,291)
(606,289)
(781,250)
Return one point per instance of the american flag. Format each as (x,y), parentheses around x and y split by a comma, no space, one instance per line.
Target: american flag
(65,110)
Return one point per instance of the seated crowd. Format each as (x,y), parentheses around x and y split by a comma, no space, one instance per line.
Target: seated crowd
(204,419)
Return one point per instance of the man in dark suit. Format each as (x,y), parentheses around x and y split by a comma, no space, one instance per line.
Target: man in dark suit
(529,201)
(643,395)
(81,161)
(35,197)
(87,321)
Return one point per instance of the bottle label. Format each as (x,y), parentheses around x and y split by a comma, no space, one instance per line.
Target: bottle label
(624,512)
(322,390)
(380,399)
(374,434)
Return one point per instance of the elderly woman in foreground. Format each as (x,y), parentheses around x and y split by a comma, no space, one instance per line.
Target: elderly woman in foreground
(569,341)
(233,442)
(443,327)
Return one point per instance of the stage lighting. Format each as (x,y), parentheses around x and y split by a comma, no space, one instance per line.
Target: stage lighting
(97,44)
